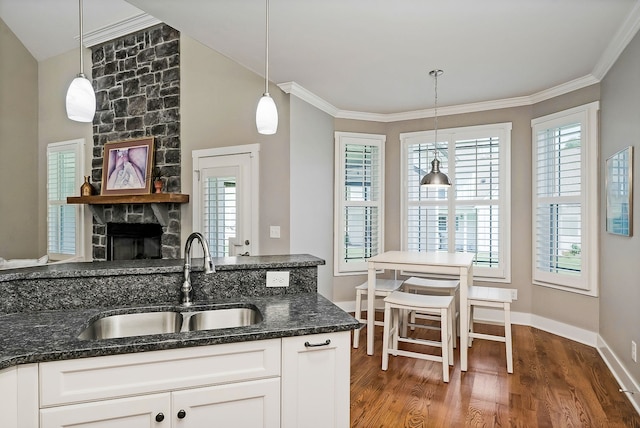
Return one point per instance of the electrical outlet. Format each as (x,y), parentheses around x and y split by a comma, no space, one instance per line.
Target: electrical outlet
(278,279)
(634,353)
(274,231)
(514,294)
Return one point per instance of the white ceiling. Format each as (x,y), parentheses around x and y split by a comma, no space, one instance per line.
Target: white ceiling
(374,56)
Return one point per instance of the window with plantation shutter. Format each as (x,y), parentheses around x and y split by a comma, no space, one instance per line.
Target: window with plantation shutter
(471,216)
(64,222)
(359,195)
(219,215)
(565,200)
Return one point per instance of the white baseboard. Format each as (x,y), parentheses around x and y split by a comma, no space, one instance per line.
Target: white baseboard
(586,337)
(620,372)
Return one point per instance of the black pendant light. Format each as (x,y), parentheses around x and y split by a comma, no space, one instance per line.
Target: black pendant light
(435,178)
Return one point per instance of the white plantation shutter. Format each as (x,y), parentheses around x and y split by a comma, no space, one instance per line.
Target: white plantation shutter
(472,215)
(64,228)
(219,216)
(478,197)
(563,150)
(359,200)
(427,207)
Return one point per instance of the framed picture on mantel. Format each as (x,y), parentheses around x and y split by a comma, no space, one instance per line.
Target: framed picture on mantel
(126,167)
(619,185)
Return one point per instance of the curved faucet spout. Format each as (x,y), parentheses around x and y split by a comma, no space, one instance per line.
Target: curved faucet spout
(186,290)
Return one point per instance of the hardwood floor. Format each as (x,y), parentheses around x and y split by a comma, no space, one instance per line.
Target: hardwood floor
(556,383)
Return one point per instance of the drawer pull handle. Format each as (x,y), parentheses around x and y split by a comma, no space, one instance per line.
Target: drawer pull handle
(181,414)
(314,345)
(159,417)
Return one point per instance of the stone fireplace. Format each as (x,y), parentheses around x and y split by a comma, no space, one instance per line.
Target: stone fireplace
(137,83)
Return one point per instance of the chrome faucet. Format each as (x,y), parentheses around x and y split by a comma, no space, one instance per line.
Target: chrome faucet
(186,290)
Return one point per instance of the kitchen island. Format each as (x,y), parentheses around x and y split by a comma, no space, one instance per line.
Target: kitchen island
(295,360)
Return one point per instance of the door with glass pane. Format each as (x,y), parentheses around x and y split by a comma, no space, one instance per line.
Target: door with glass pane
(223,214)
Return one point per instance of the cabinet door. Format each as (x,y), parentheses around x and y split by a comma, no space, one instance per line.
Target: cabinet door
(248,404)
(134,412)
(19,396)
(316,380)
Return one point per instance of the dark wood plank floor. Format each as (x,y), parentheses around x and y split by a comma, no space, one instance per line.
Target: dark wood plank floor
(556,383)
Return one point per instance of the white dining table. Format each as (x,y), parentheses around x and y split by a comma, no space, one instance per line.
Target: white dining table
(436,263)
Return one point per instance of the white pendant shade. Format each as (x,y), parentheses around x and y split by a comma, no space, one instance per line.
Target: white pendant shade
(81,100)
(267,115)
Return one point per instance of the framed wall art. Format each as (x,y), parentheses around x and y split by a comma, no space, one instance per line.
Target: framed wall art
(126,167)
(619,192)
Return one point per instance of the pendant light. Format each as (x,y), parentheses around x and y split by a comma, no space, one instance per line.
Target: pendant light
(435,178)
(81,100)
(266,113)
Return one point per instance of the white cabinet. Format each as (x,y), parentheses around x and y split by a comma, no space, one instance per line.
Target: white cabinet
(8,392)
(19,396)
(132,412)
(316,381)
(175,388)
(292,382)
(241,404)
(249,404)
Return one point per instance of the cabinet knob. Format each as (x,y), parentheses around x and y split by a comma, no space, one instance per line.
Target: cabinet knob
(160,417)
(181,414)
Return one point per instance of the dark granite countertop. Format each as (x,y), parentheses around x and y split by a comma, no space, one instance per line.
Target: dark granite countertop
(156,266)
(32,337)
(44,309)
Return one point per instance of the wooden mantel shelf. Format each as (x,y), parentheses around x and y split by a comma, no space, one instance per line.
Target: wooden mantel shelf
(157,201)
(151,198)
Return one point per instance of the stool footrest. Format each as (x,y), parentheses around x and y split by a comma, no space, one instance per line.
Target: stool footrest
(495,338)
(424,342)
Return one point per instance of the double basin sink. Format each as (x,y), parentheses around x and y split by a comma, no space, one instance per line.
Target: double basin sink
(169,321)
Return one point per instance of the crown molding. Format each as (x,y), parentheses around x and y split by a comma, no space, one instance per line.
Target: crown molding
(619,42)
(564,88)
(119,29)
(295,89)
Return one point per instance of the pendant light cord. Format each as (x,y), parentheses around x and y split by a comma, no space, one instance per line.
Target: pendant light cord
(81,31)
(266,61)
(435,73)
(435,113)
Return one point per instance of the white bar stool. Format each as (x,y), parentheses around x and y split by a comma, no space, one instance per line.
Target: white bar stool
(492,297)
(384,287)
(438,287)
(400,301)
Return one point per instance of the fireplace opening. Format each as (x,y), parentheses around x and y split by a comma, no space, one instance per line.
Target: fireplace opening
(130,241)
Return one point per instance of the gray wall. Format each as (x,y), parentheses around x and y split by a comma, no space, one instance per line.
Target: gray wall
(217,105)
(619,267)
(311,187)
(54,77)
(18,149)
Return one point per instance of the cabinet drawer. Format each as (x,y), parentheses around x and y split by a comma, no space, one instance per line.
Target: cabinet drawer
(71,381)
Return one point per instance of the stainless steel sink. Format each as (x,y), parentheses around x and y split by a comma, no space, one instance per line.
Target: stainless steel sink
(161,322)
(136,324)
(223,318)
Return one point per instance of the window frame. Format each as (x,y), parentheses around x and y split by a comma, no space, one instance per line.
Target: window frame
(448,138)
(587,282)
(78,147)
(341,140)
